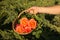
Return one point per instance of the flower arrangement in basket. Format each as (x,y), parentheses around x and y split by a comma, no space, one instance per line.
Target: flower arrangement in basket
(24,25)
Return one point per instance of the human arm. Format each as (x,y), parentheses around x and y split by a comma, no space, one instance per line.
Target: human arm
(48,10)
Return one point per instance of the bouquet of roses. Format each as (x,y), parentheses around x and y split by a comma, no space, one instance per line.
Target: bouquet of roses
(25,25)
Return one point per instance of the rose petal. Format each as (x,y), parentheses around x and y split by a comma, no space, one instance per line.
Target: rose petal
(27,29)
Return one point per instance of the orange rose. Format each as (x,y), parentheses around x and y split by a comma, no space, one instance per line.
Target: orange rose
(32,23)
(24,21)
(19,29)
(27,29)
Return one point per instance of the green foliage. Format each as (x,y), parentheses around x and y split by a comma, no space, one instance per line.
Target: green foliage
(10,35)
(48,27)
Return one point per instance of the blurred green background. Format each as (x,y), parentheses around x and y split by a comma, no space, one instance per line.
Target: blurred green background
(48,25)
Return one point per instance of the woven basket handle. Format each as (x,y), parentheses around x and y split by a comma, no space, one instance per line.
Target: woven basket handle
(21,13)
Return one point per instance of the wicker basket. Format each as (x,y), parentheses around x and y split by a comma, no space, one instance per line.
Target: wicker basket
(15,21)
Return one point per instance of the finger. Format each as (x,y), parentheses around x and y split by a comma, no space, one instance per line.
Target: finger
(30,9)
(31,12)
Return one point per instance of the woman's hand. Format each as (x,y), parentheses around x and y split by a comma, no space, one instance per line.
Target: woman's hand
(33,10)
